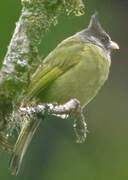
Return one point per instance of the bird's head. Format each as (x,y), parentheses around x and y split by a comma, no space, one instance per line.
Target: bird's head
(96,35)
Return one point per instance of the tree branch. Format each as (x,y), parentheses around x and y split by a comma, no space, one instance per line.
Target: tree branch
(70,109)
(36,18)
(33,117)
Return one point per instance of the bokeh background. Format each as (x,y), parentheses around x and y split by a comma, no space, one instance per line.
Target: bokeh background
(53,154)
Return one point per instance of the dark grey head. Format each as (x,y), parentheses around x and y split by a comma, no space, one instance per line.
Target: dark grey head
(96,35)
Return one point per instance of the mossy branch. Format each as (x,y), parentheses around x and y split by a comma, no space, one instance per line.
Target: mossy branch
(33,116)
(35,19)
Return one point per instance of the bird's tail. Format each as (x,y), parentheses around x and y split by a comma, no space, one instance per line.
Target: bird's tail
(22,144)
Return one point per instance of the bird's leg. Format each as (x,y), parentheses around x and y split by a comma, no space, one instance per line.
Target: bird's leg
(32,117)
(72,109)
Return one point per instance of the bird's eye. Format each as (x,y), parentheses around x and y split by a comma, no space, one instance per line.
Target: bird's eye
(104,39)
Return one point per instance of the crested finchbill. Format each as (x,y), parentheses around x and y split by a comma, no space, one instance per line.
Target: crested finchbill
(76,68)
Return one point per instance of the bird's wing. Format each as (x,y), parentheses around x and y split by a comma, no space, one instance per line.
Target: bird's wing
(60,60)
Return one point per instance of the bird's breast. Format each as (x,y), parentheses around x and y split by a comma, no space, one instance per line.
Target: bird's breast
(82,81)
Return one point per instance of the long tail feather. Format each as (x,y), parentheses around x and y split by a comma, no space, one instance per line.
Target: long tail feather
(22,144)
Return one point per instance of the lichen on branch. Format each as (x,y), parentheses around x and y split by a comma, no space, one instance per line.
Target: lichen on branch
(23,53)
(36,18)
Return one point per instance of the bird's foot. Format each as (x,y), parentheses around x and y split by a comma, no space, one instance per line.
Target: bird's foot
(80,126)
(70,109)
(32,116)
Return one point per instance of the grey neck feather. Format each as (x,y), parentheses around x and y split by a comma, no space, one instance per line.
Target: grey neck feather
(92,39)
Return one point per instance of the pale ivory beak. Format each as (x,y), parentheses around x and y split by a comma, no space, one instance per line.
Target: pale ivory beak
(114,45)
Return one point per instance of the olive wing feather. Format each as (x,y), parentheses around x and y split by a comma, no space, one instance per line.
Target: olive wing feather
(61,59)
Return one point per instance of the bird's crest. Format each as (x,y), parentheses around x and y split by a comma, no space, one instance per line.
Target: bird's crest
(94,24)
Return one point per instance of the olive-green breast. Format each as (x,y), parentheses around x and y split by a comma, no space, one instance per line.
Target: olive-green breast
(82,81)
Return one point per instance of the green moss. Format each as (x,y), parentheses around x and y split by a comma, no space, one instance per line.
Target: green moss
(22,55)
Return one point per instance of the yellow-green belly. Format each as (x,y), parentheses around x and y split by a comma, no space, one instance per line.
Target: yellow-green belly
(82,82)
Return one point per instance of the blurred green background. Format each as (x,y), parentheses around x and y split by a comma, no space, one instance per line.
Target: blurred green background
(53,154)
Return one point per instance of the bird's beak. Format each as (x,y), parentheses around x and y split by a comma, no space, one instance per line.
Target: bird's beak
(114,45)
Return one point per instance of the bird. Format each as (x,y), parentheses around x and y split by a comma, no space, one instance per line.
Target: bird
(77,68)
